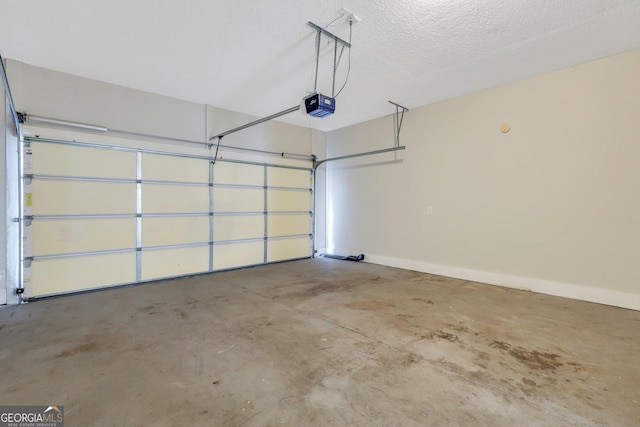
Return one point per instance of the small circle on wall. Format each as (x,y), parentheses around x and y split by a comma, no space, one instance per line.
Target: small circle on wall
(505,127)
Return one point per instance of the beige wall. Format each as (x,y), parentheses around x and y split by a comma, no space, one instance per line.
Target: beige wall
(552,206)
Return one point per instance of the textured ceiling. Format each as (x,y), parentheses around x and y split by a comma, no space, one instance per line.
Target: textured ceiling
(257,57)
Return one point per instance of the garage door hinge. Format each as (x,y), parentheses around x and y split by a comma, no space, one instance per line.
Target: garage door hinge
(27,262)
(27,220)
(28,179)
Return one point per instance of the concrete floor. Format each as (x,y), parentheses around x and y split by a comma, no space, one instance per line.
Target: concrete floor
(323,342)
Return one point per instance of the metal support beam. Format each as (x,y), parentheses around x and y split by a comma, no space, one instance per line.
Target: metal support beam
(28,118)
(294,156)
(138,250)
(37,119)
(138,216)
(255,122)
(211,222)
(313,212)
(266,215)
(397,120)
(159,152)
(350,156)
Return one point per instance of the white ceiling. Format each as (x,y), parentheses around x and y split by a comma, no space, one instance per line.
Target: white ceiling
(257,57)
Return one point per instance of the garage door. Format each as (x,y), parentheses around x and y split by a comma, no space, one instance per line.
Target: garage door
(99,215)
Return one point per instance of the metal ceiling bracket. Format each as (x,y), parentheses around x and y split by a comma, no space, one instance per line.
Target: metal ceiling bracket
(336,40)
(319,29)
(397,120)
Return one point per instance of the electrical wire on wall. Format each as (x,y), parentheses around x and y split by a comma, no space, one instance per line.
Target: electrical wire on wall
(348,58)
(341,12)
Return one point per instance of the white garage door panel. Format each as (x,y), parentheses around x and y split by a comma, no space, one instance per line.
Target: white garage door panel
(167,168)
(282,249)
(238,227)
(54,159)
(158,198)
(288,200)
(283,225)
(75,197)
(174,262)
(237,255)
(238,174)
(174,230)
(91,206)
(281,177)
(238,200)
(53,276)
(60,236)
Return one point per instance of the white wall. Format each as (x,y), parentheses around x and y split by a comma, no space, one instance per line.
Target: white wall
(9,205)
(3,199)
(551,206)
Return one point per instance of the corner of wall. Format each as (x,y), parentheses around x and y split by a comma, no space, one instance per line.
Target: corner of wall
(546,201)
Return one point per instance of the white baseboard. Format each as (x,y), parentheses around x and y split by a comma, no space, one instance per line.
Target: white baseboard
(567,290)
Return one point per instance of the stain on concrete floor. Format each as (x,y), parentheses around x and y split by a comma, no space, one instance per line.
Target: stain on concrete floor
(323,342)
